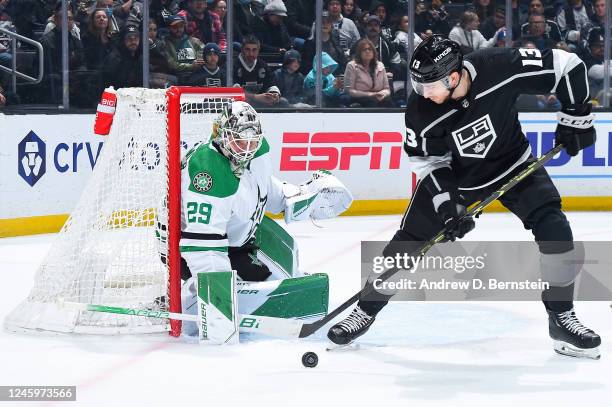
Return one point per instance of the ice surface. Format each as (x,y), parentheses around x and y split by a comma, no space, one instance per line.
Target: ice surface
(425,354)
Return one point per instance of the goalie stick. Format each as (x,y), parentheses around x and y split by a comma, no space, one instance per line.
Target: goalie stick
(272,326)
(475,210)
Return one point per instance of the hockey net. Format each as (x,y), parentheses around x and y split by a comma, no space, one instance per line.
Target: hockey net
(112,249)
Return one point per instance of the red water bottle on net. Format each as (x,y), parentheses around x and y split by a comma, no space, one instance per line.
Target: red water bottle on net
(105,112)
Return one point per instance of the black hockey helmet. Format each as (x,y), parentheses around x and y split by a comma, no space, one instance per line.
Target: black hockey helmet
(435,59)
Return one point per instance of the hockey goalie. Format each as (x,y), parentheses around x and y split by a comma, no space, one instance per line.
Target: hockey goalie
(228,246)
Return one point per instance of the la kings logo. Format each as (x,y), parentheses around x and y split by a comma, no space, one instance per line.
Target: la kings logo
(475,139)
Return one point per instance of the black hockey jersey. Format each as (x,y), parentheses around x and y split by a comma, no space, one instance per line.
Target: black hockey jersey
(256,79)
(207,78)
(481,139)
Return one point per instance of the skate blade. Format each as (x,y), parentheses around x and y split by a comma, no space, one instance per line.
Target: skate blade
(333,347)
(564,348)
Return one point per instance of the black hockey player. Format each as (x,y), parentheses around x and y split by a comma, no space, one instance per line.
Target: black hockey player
(464,139)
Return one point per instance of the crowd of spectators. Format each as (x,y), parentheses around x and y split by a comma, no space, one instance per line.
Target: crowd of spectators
(365,45)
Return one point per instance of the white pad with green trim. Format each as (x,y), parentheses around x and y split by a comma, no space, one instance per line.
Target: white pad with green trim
(217,308)
(321,197)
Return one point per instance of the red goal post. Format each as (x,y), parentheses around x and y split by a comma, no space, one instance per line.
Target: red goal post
(173,96)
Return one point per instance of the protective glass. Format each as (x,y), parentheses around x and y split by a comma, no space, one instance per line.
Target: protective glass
(428,89)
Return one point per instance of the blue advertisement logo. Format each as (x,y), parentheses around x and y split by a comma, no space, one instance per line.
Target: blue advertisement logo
(31,158)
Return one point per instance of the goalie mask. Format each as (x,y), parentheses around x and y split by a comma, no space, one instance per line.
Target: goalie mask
(238,133)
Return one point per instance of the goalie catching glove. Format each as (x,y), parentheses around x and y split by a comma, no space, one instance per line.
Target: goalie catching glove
(323,196)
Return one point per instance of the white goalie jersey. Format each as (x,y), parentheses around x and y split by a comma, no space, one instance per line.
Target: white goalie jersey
(221,210)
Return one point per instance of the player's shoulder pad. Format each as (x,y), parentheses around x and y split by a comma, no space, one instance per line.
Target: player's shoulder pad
(485,57)
(210,173)
(264,148)
(421,112)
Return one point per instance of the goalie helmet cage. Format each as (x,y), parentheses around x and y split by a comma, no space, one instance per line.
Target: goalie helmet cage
(120,245)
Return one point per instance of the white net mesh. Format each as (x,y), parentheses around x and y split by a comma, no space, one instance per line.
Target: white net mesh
(108,252)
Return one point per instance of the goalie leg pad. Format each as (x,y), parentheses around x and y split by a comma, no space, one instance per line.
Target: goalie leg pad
(217,308)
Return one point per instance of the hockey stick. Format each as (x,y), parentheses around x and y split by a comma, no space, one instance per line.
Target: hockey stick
(474,210)
(272,326)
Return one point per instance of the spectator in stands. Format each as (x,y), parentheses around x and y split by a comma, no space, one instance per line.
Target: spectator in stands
(331,86)
(29,15)
(362,23)
(594,60)
(551,28)
(572,19)
(122,68)
(210,75)
(52,47)
(401,37)
(273,34)
(247,14)
(289,80)
(493,24)
(386,50)
(161,11)
(435,19)
(219,7)
(202,24)
(536,7)
(538,31)
(75,30)
(599,13)
(330,43)
(300,16)
(421,22)
(184,51)
(159,70)
(468,36)
(365,78)
(97,39)
(379,9)
(351,10)
(254,76)
(112,19)
(484,9)
(128,12)
(6,58)
(440,21)
(347,30)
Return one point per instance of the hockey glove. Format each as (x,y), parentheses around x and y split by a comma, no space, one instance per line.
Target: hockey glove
(575,129)
(451,208)
(448,204)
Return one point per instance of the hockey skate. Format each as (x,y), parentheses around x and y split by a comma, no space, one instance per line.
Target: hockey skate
(346,331)
(571,338)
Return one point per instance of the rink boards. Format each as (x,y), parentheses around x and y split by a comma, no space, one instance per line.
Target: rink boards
(45,161)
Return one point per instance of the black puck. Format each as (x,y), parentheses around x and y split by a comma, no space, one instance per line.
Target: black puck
(310,359)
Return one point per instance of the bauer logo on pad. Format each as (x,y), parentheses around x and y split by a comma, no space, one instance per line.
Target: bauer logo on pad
(475,139)
(31,158)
